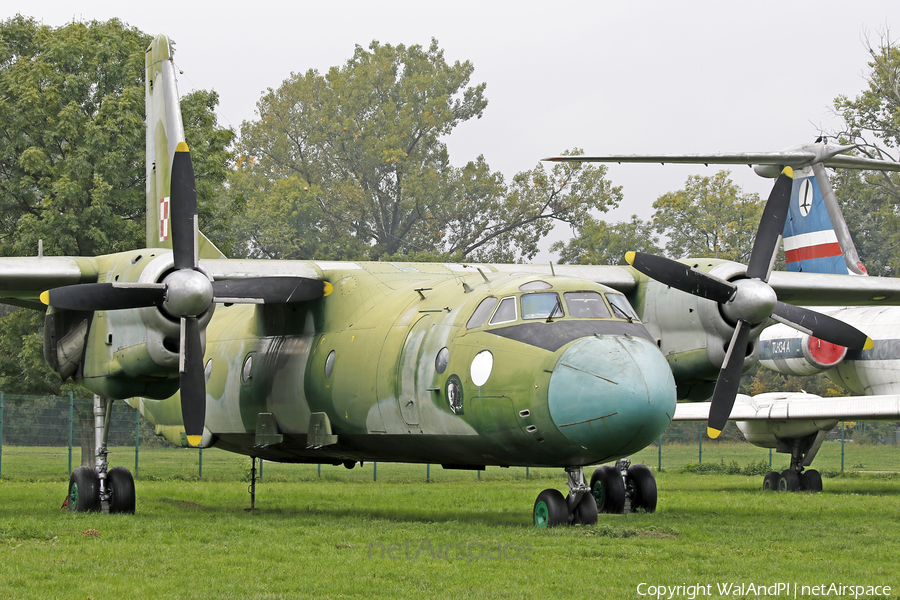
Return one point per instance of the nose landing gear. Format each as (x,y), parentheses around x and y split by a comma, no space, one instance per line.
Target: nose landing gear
(618,489)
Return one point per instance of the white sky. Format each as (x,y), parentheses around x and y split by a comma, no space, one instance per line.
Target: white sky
(606,76)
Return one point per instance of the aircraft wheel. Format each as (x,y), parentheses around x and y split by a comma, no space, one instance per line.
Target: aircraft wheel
(121,488)
(608,489)
(643,485)
(811,481)
(585,511)
(789,481)
(550,509)
(84,490)
(770,481)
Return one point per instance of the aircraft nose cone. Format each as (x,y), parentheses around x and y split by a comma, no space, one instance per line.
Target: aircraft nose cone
(612,395)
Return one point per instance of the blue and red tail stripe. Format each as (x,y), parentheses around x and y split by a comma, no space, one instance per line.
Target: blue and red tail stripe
(810,243)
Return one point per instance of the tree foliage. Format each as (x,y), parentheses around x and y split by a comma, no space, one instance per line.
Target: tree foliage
(870,199)
(599,243)
(370,176)
(710,217)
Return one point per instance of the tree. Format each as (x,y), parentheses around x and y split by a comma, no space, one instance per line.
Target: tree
(869,199)
(710,217)
(364,143)
(599,243)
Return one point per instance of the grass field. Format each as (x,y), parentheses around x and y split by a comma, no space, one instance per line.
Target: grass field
(342,535)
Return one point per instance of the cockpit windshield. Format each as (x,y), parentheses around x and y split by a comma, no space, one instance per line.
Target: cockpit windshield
(541,306)
(622,307)
(586,305)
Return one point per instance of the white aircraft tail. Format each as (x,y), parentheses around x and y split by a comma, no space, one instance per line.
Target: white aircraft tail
(816,238)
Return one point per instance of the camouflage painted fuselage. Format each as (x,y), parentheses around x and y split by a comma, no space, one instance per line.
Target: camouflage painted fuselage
(571,391)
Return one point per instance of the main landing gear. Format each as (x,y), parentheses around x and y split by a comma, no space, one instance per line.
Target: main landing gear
(797,478)
(101,489)
(613,489)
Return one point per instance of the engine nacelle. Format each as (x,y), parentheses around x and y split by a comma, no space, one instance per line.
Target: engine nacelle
(121,353)
(693,333)
(790,352)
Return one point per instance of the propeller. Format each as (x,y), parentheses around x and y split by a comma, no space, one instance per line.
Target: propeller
(186,293)
(748,302)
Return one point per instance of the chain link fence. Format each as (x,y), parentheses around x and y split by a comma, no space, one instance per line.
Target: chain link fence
(45,437)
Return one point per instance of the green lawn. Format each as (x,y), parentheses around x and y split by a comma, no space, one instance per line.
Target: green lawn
(345,536)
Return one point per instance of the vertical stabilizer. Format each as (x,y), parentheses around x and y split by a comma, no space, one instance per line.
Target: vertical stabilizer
(816,238)
(165,131)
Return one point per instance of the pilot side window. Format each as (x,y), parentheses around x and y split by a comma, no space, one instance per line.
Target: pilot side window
(506,312)
(482,313)
(622,307)
(541,306)
(586,305)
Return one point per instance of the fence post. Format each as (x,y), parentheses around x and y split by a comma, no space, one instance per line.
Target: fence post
(71,426)
(1,433)
(428,472)
(842,446)
(659,464)
(200,474)
(700,453)
(374,471)
(137,438)
(261,461)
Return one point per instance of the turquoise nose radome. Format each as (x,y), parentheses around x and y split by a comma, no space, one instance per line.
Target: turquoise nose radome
(611,395)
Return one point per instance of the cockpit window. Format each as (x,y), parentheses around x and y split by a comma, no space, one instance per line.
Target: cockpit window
(506,312)
(533,286)
(541,306)
(621,307)
(482,313)
(586,305)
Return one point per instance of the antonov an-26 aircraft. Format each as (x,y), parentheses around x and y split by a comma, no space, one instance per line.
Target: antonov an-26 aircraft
(452,364)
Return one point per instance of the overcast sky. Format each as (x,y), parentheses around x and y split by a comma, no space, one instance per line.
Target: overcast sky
(608,77)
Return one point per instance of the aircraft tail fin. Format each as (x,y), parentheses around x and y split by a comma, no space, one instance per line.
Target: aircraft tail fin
(165,131)
(816,238)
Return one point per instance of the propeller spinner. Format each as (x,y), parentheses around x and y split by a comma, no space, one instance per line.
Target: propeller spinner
(748,302)
(186,293)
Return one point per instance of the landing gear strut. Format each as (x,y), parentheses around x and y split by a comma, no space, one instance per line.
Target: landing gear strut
(613,489)
(101,488)
(795,478)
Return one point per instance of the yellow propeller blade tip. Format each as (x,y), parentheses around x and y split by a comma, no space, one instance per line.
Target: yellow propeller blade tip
(629,258)
(194,440)
(45,297)
(182,147)
(712,433)
(789,172)
(869,342)
(328,288)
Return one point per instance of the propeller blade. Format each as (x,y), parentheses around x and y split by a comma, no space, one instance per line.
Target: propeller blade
(105,296)
(771,227)
(728,381)
(183,195)
(269,290)
(681,277)
(822,326)
(193,381)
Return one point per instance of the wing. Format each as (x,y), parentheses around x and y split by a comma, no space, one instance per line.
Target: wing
(22,280)
(781,406)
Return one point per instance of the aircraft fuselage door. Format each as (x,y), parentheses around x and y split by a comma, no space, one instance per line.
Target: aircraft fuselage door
(411,370)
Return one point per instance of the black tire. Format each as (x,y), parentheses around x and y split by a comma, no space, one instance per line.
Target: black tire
(789,481)
(84,490)
(770,481)
(120,484)
(585,512)
(813,481)
(550,509)
(608,490)
(642,483)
